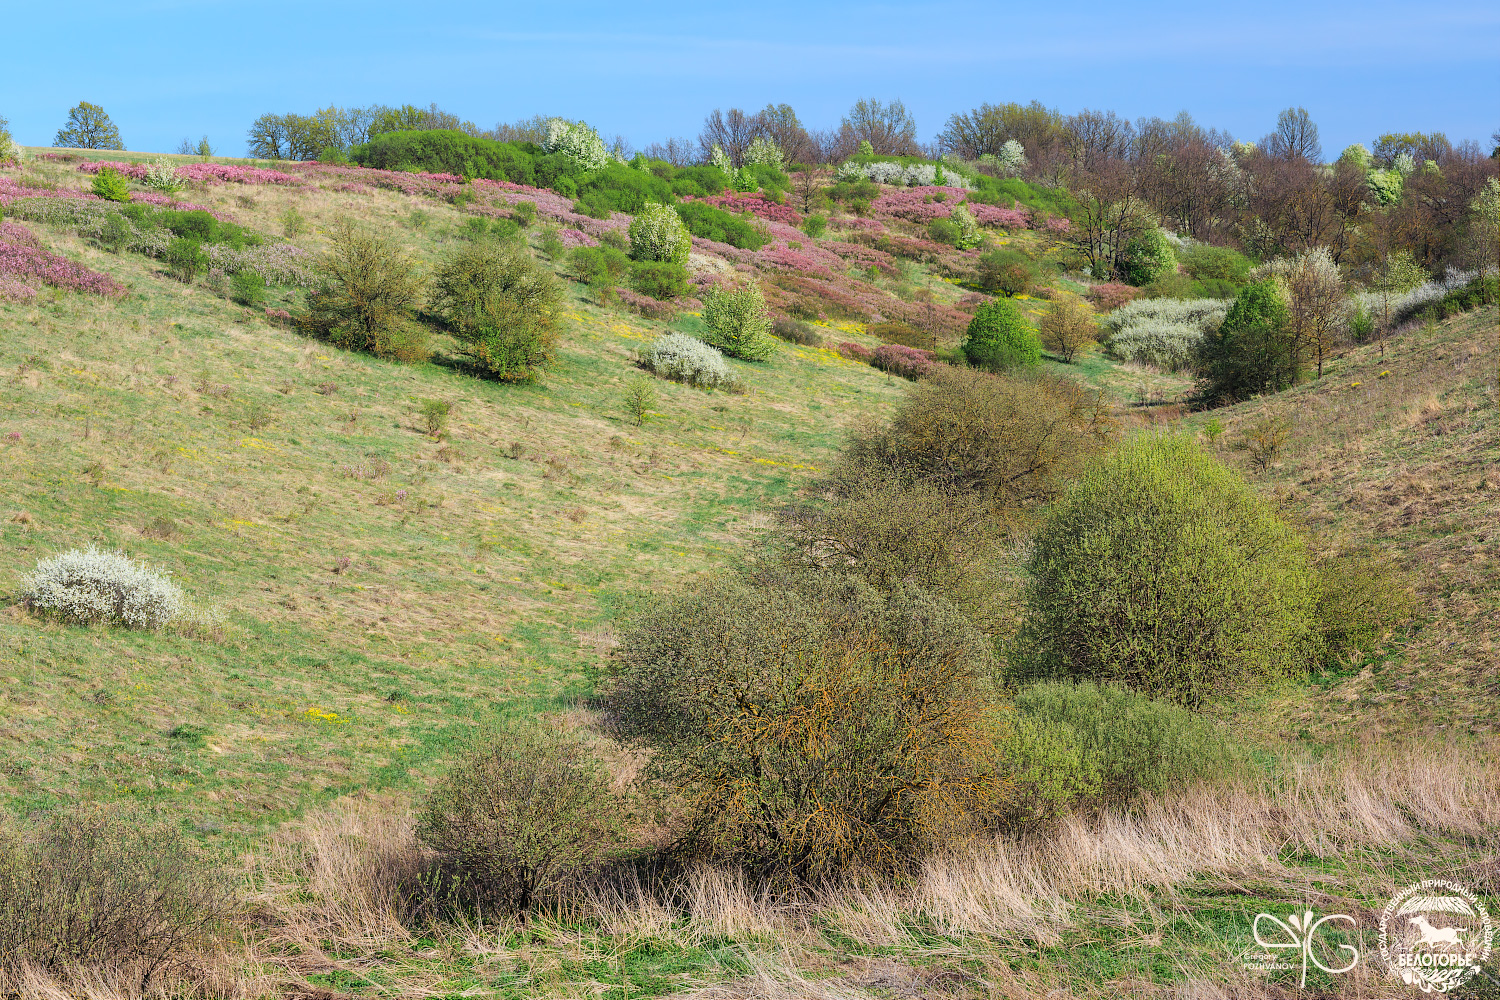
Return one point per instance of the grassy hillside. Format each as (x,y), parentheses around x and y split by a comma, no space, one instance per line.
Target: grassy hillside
(482,569)
(387,590)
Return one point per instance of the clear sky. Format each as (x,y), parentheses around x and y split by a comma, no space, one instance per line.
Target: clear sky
(169,69)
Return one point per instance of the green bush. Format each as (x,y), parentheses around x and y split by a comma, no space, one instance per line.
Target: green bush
(369,286)
(815,224)
(503,307)
(115,233)
(1162,570)
(185,258)
(1083,746)
(1252,351)
(599,267)
(619,188)
(662,280)
(248,288)
(111,185)
(943,230)
(716,224)
(699,182)
(1146,256)
(738,322)
(1006,271)
(447,151)
(1000,339)
(657,234)
(819,724)
(1205,262)
(518,813)
(1012,441)
(92,892)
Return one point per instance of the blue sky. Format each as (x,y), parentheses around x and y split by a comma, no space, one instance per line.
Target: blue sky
(174,68)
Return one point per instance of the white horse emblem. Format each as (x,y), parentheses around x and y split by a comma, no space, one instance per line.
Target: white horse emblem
(1434,936)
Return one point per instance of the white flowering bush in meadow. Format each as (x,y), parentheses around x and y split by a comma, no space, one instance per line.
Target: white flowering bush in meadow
(92,586)
(903,175)
(657,233)
(1161,332)
(161,175)
(577,141)
(720,159)
(681,358)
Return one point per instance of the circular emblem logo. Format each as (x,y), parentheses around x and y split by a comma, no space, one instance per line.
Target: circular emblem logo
(1434,935)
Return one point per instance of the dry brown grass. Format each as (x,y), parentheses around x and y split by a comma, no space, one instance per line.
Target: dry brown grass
(1369,815)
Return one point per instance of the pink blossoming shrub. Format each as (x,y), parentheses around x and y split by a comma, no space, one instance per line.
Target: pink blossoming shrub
(22,258)
(16,290)
(778,257)
(201,173)
(574,238)
(855,352)
(1005,218)
(1111,295)
(645,305)
(756,204)
(917,204)
(907,362)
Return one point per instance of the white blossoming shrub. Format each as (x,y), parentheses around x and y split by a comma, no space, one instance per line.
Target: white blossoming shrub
(161,175)
(904,175)
(1161,332)
(1394,307)
(686,359)
(657,233)
(93,586)
(764,150)
(969,236)
(1011,159)
(720,159)
(577,141)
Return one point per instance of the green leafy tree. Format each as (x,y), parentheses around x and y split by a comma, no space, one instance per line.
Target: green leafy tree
(1252,352)
(1000,339)
(110,185)
(88,127)
(1164,571)
(738,323)
(1147,256)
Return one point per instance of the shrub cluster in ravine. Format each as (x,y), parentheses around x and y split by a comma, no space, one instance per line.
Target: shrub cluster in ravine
(519,812)
(1083,746)
(818,723)
(502,306)
(1162,570)
(1252,351)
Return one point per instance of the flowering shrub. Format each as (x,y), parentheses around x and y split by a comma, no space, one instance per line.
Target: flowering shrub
(657,233)
(1111,295)
(756,204)
(277,263)
(1009,162)
(855,352)
(23,258)
(161,175)
(899,175)
(681,358)
(779,257)
(577,141)
(197,173)
(907,362)
(968,228)
(919,204)
(645,305)
(720,159)
(15,290)
(764,151)
(1161,332)
(93,586)
(572,239)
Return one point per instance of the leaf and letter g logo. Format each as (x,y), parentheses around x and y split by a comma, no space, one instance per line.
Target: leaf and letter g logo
(1300,932)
